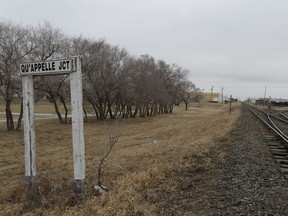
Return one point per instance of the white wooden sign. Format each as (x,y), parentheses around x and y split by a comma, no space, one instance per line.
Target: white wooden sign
(28,71)
(47,67)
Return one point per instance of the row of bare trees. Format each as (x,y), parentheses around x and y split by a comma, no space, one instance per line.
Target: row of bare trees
(115,84)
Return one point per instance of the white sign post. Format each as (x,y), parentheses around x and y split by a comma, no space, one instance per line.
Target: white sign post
(29,131)
(55,67)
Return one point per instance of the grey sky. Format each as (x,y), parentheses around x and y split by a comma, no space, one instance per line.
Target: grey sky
(241,45)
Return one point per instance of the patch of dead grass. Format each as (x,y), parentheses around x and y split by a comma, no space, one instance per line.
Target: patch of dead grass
(152,160)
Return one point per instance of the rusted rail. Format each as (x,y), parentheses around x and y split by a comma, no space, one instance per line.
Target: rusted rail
(278,147)
(265,117)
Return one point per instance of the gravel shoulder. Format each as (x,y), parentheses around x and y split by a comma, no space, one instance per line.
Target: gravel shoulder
(242,178)
(249,180)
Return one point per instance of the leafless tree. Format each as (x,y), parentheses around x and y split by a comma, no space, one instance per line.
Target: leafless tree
(102,74)
(15,44)
(187,93)
(50,45)
(91,62)
(172,78)
(197,95)
(115,84)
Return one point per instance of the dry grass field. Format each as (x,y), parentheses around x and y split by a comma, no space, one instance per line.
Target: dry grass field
(143,172)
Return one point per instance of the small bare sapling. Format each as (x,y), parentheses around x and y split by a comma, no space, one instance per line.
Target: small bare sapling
(114,132)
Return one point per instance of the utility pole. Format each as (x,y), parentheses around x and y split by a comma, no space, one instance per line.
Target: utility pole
(265,95)
(211,93)
(222,94)
(230,104)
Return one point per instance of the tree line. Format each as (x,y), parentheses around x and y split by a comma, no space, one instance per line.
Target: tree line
(115,83)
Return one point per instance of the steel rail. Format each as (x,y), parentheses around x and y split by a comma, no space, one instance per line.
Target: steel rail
(286,117)
(280,119)
(277,128)
(274,128)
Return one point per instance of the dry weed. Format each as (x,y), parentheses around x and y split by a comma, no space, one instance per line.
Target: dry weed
(154,159)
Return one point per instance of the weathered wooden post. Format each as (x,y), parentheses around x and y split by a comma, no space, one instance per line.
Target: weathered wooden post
(77,127)
(29,131)
(54,67)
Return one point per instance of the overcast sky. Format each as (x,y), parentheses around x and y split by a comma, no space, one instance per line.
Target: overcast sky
(241,45)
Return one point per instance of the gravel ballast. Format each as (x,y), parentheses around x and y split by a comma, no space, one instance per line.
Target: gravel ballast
(250,181)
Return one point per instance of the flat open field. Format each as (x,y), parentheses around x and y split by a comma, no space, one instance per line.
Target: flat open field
(146,167)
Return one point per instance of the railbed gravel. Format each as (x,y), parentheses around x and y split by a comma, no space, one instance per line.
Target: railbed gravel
(250,181)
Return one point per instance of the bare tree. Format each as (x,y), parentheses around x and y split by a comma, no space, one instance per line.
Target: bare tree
(116,84)
(187,93)
(15,44)
(102,74)
(51,43)
(172,78)
(196,95)
(88,50)
(144,84)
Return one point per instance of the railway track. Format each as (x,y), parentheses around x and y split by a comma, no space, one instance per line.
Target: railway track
(278,140)
(284,114)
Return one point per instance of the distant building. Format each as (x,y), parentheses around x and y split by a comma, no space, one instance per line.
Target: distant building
(214,97)
(210,97)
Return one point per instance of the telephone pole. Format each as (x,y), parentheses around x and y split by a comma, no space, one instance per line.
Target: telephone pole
(222,94)
(211,99)
(265,95)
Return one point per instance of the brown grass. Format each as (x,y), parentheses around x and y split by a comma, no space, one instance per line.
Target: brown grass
(141,173)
